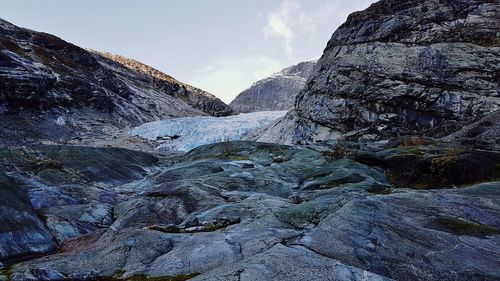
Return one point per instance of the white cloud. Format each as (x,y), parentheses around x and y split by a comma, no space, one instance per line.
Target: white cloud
(278,23)
(278,27)
(229,77)
(292,23)
(295,19)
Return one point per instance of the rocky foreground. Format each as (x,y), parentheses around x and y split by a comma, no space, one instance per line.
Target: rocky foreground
(408,210)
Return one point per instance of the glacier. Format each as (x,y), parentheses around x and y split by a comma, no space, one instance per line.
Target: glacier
(186,133)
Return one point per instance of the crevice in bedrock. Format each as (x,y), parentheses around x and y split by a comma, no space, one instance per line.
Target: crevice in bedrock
(204,226)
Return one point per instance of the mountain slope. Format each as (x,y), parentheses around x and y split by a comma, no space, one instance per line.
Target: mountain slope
(193,96)
(276,92)
(401,67)
(44,79)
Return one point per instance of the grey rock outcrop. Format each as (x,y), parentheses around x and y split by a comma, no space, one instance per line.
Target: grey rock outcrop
(276,92)
(60,194)
(403,67)
(413,208)
(116,214)
(51,90)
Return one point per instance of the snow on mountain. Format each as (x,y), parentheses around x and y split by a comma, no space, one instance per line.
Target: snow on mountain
(186,133)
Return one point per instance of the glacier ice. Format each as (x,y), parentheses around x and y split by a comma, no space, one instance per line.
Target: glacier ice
(186,133)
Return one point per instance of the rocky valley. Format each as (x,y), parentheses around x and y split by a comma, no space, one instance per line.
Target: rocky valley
(387,166)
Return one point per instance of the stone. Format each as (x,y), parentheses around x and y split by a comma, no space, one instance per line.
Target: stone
(288,263)
(247,166)
(369,233)
(217,170)
(192,222)
(295,199)
(484,133)
(22,232)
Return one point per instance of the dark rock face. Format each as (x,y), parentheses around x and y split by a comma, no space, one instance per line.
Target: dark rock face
(59,185)
(403,67)
(47,82)
(276,92)
(106,213)
(22,232)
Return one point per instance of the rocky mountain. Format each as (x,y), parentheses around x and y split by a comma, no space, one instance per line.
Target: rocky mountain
(53,90)
(400,67)
(402,208)
(276,92)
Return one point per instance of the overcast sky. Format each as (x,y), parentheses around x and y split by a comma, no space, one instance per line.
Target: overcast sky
(221,46)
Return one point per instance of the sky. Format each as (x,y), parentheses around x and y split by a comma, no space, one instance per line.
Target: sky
(221,46)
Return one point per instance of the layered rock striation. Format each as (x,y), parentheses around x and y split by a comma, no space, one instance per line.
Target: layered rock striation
(401,67)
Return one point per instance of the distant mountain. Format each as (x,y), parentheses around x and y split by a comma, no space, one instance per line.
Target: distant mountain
(53,90)
(276,92)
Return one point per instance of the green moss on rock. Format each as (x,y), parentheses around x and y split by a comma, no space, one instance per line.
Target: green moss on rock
(461,226)
(143,277)
(298,215)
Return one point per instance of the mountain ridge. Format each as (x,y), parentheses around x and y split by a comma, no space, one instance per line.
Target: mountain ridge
(45,79)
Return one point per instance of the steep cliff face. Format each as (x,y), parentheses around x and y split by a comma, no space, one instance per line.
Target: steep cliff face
(402,67)
(50,89)
(276,92)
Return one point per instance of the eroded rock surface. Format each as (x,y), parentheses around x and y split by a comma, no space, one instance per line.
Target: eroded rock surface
(238,210)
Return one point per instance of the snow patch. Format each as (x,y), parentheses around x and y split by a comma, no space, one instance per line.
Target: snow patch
(186,133)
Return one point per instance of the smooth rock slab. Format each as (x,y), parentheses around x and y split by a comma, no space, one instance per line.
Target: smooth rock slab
(410,235)
(21,230)
(281,263)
